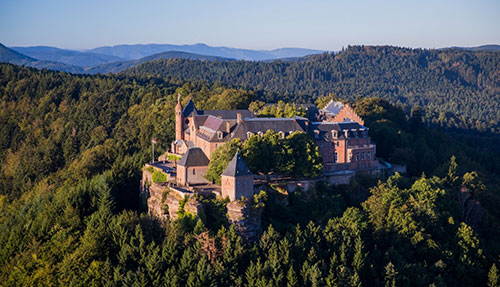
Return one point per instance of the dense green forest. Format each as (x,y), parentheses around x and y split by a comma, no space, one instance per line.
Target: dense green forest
(71,153)
(454,88)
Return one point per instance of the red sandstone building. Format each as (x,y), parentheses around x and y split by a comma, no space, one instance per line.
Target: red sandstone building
(343,141)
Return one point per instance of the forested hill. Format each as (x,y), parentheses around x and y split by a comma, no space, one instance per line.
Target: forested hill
(71,152)
(456,88)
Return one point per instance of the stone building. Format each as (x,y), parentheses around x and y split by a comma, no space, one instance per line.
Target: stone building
(339,132)
(192,167)
(237,179)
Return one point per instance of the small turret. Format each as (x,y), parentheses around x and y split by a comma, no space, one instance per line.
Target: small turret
(237,179)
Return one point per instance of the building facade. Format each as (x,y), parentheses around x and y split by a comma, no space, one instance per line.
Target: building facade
(338,131)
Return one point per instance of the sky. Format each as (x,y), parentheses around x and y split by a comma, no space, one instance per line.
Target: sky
(253,24)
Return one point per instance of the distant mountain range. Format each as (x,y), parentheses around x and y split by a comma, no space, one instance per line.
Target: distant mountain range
(117,67)
(70,57)
(134,52)
(114,59)
(10,56)
(118,58)
(483,48)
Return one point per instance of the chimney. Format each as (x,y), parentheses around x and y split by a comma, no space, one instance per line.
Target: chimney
(228,126)
(346,133)
(238,118)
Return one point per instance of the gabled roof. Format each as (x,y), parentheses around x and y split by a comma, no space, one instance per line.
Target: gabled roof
(213,123)
(255,125)
(227,114)
(189,109)
(237,167)
(194,157)
(333,107)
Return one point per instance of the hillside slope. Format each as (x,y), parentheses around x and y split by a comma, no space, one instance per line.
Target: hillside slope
(70,57)
(8,55)
(116,67)
(457,88)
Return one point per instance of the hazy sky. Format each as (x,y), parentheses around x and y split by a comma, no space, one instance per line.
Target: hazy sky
(254,24)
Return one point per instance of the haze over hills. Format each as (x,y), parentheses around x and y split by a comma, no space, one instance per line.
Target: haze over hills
(70,57)
(483,48)
(8,55)
(121,57)
(134,52)
(117,67)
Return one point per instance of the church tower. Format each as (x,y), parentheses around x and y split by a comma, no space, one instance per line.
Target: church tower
(178,119)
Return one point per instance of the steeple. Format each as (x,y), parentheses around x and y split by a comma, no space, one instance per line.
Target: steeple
(178,119)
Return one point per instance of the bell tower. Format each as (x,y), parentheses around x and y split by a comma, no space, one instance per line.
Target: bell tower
(178,119)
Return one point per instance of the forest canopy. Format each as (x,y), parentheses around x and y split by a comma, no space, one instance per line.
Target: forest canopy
(72,149)
(453,88)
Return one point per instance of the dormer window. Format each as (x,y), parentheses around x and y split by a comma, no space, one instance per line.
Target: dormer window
(282,134)
(219,134)
(260,134)
(335,134)
(249,134)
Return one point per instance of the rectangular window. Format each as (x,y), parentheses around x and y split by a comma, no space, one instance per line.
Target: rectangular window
(369,155)
(335,157)
(363,156)
(350,157)
(357,156)
(193,172)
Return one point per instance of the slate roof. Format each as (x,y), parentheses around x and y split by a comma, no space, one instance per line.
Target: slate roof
(194,157)
(227,114)
(213,123)
(323,129)
(187,143)
(189,109)
(333,108)
(255,125)
(237,167)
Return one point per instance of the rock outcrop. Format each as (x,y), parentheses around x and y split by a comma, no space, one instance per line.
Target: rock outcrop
(246,216)
(156,204)
(176,205)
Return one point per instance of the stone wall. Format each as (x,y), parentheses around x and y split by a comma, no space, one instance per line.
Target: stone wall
(341,177)
(237,187)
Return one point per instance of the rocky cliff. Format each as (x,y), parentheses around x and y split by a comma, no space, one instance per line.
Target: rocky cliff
(246,216)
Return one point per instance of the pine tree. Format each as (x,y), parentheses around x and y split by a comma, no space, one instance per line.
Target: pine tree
(291,278)
(390,275)
(358,260)
(355,280)
(493,276)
